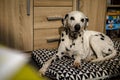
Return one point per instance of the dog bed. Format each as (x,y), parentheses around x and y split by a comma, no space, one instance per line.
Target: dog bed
(63,69)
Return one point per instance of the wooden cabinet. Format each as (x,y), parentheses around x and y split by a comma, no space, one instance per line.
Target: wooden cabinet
(53,3)
(16,27)
(96,11)
(30,32)
(45,30)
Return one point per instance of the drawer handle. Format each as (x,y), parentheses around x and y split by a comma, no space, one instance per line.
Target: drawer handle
(54,18)
(53,40)
(28,7)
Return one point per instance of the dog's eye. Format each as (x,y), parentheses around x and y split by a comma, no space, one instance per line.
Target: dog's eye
(82,20)
(72,18)
(87,19)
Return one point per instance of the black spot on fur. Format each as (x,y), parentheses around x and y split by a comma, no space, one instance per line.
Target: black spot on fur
(80,35)
(73,43)
(62,34)
(82,38)
(109,50)
(72,56)
(82,20)
(62,39)
(67,49)
(70,46)
(102,35)
(104,55)
(57,56)
(72,18)
(62,53)
(96,35)
(102,38)
(67,31)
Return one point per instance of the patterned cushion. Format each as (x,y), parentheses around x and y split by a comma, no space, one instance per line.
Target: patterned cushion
(117,44)
(63,69)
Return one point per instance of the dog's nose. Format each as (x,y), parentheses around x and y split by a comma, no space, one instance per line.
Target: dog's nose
(77,27)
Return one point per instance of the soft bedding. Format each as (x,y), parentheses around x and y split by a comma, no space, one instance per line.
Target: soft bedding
(63,69)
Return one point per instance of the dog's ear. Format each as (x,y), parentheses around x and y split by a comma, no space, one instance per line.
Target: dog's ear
(66,16)
(64,20)
(86,22)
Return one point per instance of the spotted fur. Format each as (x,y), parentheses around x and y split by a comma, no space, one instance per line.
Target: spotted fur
(81,43)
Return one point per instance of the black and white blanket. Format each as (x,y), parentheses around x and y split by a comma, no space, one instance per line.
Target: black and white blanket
(63,69)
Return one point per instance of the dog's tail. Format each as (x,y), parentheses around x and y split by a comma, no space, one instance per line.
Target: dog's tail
(113,54)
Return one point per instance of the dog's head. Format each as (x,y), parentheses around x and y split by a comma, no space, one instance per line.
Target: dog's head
(75,21)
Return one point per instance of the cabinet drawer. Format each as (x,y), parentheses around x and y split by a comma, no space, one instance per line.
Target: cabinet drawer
(41,14)
(52,3)
(41,36)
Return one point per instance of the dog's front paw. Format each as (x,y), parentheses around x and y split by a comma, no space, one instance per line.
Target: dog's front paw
(76,64)
(42,71)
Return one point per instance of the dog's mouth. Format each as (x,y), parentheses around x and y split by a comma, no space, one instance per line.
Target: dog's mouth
(73,34)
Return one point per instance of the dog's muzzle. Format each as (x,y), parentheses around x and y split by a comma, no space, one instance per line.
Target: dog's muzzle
(77,27)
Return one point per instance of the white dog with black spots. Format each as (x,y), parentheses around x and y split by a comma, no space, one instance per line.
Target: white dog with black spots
(81,43)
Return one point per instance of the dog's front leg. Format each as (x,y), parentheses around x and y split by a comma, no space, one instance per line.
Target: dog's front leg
(77,61)
(47,63)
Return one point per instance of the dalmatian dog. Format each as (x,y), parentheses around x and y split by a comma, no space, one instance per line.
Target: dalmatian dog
(81,43)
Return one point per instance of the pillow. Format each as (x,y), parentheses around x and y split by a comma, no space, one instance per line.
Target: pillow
(63,69)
